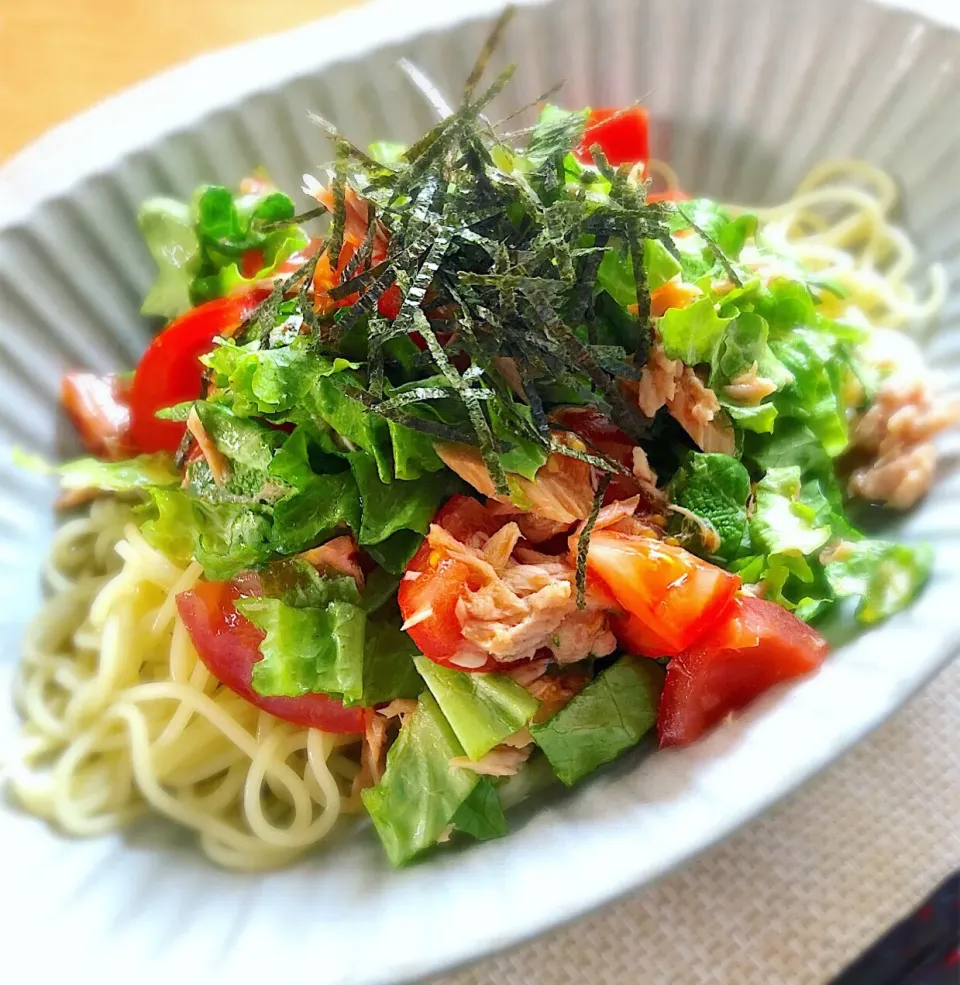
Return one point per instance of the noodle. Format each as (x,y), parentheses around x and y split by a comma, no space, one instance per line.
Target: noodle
(121,717)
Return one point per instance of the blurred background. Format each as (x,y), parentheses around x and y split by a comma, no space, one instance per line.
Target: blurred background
(58,57)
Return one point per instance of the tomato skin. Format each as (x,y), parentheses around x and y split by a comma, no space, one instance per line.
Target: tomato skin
(758,646)
(434,579)
(170,371)
(671,597)
(623,136)
(229,646)
(99,409)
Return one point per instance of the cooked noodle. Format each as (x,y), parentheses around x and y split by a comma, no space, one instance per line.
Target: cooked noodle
(121,716)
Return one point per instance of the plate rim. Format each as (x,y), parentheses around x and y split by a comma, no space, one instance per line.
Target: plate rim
(27,181)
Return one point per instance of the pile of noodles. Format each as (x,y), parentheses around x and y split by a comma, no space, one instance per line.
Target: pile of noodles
(121,717)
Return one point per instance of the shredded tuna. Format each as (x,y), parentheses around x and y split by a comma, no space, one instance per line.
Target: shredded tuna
(658,382)
(696,408)
(646,477)
(357,214)
(519,739)
(340,554)
(71,498)
(398,708)
(556,691)
(218,462)
(507,368)
(373,754)
(533,528)
(562,490)
(899,479)
(524,609)
(708,532)
(499,547)
(526,673)
(502,761)
(669,383)
(749,388)
(895,435)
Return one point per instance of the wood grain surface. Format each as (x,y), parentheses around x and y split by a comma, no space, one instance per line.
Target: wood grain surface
(58,57)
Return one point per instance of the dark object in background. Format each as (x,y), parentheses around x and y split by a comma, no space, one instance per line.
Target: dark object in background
(924,949)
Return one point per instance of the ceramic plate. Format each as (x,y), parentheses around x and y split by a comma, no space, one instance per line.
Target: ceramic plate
(744,95)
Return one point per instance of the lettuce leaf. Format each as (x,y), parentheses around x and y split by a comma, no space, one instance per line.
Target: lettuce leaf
(131,475)
(482,709)
(259,381)
(310,649)
(716,487)
(167,229)
(388,664)
(782,523)
(885,576)
(660,264)
(224,537)
(693,334)
(609,716)
(420,793)
(481,814)
(389,507)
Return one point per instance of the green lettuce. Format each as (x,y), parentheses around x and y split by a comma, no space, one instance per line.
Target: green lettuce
(389,671)
(693,334)
(131,475)
(389,507)
(886,577)
(716,488)
(167,228)
(609,716)
(260,381)
(481,814)
(482,709)
(310,649)
(782,523)
(420,793)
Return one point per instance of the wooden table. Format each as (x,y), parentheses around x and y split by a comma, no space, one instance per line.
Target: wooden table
(59,56)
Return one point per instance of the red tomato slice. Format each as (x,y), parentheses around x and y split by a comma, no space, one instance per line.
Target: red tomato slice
(229,646)
(170,371)
(673,596)
(759,645)
(99,410)
(623,136)
(434,582)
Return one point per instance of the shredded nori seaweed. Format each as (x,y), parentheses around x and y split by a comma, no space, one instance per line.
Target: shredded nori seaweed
(494,257)
(583,541)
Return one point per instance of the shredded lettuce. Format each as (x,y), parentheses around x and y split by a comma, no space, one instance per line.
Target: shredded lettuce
(782,523)
(609,716)
(420,793)
(482,709)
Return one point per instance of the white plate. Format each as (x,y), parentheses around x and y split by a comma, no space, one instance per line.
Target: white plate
(745,94)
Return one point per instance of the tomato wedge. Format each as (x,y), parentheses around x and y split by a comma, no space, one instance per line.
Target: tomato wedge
(229,646)
(671,597)
(99,410)
(759,645)
(623,136)
(170,371)
(434,582)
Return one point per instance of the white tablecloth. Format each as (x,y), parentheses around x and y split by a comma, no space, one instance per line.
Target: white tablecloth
(794,897)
